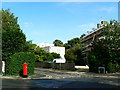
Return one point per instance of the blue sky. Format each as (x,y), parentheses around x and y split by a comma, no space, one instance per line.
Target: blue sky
(47,21)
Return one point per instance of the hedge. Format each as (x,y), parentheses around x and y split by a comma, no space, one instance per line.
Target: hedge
(14,66)
(95,62)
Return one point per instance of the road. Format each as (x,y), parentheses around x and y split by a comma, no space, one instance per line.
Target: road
(61,79)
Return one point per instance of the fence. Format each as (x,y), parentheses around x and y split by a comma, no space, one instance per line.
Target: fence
(60,66)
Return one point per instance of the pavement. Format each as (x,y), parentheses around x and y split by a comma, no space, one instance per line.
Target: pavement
(64,79)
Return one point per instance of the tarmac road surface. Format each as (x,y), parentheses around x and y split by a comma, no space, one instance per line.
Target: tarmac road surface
(53,83)
(63,79)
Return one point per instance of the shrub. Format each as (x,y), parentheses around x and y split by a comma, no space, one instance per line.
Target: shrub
(55,55)
(38,58)
(93,67)
(111,68)
(47,57)
(14,66)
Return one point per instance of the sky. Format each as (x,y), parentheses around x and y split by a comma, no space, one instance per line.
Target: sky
(48,21)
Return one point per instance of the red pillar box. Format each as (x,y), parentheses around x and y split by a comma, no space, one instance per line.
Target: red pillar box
(25,69)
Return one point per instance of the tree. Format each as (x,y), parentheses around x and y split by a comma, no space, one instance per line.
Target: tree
(13,39)
(66,45)
(29,47)
(98,57)
(47,57)
(106,51)
(43,55)
(112,35)
(73,41)
(58,42)
(74,54)
(112,42)
(55,55)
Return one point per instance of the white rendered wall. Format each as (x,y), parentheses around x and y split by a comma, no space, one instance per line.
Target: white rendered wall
(45,45)
(51,48)
(59,50)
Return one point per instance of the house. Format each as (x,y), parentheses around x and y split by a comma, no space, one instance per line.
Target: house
(56,49)
(92,37)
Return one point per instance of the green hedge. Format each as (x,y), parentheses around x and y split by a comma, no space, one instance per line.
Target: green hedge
(111,66)
(14,66)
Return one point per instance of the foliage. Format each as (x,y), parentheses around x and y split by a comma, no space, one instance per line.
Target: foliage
(111,67)
(112,35)
(73,51)
(75,55)
(67,46)
(38,58)
(55,55)
(98,57)
(13,39)
(107,50)
(47,57)
(40,54)
(29,47)
(93,64)
(44,55)
(58,43)
(73,41)
(14,66)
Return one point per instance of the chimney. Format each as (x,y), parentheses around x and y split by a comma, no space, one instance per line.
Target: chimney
(104,22)
(98,25)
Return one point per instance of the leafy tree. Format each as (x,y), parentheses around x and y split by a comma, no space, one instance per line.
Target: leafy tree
(58,42)
(47,57)
(44,55)
(112,42)
(107,50)
(112,35)
(75,55)
(55,55)
(98,57)
(29,47)
(13,39)
(66,45)
(38,58)
(73,51)
(73,41)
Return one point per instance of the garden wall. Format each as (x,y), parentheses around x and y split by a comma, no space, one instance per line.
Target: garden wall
(62,66)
